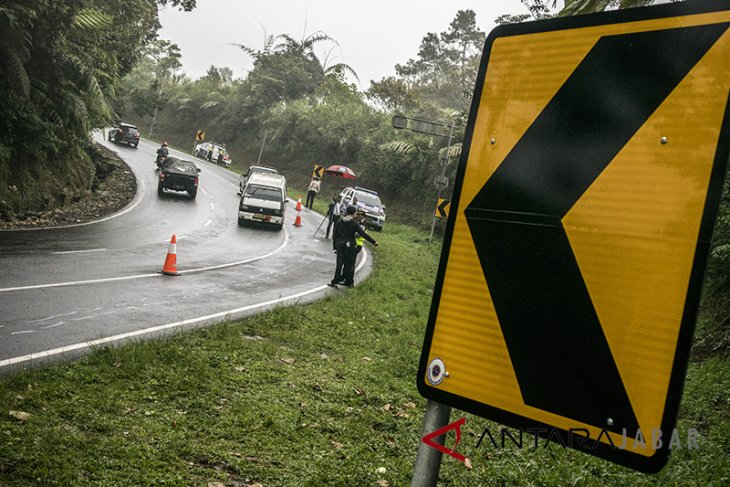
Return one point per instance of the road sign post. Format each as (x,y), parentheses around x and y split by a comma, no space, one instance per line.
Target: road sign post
(430,128)
(580,226)
(428,459)
(263,142)
(442,176)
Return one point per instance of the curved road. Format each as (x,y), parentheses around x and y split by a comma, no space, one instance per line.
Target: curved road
(64,290)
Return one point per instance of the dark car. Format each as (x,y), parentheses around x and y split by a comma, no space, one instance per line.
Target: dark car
(178,175)
(125,133)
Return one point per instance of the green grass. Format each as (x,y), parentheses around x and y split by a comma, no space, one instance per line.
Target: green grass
(325,396)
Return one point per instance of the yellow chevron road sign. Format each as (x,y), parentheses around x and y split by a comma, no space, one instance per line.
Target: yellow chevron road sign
(580,227)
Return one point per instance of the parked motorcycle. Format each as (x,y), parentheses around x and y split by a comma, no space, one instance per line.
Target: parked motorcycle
(160,161)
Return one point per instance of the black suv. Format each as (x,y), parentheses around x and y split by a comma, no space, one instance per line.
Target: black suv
(178,175)
(125,133)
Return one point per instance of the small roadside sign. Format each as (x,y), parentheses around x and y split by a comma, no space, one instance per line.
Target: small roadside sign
(442,208)
(200,136)
(318,171)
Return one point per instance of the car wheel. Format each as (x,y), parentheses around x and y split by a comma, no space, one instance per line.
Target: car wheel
(279,227)
(241,222)
(160,190)
(193,194)
(135,145)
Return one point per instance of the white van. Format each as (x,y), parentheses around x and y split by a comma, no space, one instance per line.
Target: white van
(263,200)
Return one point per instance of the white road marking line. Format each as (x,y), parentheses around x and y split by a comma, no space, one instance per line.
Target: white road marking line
(83,318)
(207,223)
(52,317)
(202,190)
(140,276)
(101,341)
(212,206)
(52,326)
(24,332)
(79,251)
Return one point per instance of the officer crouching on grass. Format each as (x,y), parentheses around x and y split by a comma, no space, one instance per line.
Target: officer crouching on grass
(343,241)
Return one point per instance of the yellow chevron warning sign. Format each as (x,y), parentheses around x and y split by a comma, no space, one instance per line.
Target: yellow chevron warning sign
(583,210)
(442,208)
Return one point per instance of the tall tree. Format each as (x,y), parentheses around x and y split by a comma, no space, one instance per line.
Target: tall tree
(59,64)
(165,58)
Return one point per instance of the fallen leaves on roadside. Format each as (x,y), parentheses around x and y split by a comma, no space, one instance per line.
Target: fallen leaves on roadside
(367,359)
(386,407)
(323,356)
(20,416)
(409,405)
(287,360)
(216,484)
(239,369)
(383,483)
(337,445)
(467,462)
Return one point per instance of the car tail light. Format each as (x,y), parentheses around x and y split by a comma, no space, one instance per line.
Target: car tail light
(196,181)
(162,176)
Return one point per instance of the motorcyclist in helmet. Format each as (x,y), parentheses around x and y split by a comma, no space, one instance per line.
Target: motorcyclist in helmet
(162,154)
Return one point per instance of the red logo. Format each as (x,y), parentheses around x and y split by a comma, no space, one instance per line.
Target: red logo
(456,425)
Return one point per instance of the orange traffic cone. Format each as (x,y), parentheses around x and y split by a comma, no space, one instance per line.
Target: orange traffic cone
(299,203)
(170,267)
(298,221)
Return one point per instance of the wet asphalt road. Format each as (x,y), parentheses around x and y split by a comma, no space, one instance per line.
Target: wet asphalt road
(65,290)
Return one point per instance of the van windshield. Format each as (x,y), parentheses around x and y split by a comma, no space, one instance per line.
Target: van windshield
(368,199)
(263,193)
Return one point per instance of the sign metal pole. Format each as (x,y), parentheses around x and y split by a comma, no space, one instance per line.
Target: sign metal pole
(428,459)
(443,174)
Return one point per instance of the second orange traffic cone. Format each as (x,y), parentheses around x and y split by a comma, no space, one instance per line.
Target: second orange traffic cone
(170,267)
(299,203)
(298,220)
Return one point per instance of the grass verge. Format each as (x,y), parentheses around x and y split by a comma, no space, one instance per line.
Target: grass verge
(322,394)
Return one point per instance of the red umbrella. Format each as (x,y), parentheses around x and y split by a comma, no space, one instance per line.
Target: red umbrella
(340,171)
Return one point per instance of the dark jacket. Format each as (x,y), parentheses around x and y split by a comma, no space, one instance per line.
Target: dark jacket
(345,231)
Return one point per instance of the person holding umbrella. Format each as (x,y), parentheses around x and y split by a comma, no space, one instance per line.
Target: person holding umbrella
(343,241)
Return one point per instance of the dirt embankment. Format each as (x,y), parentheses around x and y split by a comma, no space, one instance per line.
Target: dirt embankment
(113,186)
